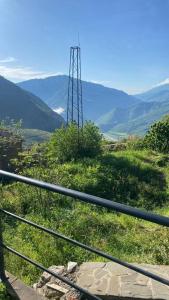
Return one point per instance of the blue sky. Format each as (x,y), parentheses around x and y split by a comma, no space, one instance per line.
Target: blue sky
(125,43)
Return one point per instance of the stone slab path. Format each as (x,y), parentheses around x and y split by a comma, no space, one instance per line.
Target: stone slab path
(19,291)
(112,281)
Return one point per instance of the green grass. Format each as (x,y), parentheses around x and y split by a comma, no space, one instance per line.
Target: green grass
(137,178)
(3,293)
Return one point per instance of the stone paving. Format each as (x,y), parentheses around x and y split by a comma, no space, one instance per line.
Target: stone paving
(19,291)
(112,281)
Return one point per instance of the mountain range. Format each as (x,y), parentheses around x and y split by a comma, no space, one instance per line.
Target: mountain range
(18,104)
(97,99)
(115,112)
(159,93)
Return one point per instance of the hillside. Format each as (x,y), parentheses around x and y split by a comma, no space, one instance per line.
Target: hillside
(18,104)
(133,120)
(139,178)
(31,136)
(98,99)
(158,94)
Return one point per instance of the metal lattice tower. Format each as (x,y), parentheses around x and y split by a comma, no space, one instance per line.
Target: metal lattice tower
(74,102)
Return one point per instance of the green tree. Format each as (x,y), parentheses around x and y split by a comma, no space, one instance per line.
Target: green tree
(157,137)
(91,140)
(69,142)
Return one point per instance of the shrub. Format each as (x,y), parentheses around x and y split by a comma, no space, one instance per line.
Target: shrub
(70,142)
(3,293)
(91,140)
(157,137)
(34,156)
(135,143)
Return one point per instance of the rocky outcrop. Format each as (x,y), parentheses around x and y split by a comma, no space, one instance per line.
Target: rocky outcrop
(53,288)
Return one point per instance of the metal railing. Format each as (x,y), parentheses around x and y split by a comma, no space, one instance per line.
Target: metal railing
(112,205)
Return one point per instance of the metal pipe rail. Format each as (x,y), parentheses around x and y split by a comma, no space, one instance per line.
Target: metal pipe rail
(126,209)
(161,220)
(89,248)
(65,280)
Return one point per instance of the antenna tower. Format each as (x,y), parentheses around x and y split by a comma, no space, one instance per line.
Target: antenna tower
(74,101)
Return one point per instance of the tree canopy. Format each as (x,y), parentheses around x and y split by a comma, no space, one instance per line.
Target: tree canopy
(71,142)
(157,137)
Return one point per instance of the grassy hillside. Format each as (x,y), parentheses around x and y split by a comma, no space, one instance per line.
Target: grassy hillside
(32,136)
(134,120)
(138,178)
(17,104)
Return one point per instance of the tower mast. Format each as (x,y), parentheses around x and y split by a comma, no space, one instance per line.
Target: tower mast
(74,101)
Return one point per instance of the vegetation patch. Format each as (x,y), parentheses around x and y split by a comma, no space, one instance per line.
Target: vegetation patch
(135,176)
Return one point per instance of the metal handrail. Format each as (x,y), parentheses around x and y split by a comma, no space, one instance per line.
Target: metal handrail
(65,280)
(126,209)
(148,216)
(91,249)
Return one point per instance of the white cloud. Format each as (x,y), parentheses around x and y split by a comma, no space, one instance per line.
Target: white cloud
(20,73)
(59,110)
(135,91)
(128,90)
(166,81)
(103,82)
(7,60)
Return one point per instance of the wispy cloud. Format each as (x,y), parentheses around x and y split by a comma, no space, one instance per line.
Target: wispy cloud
(16,72)
(59,110)
(135,91)
(128,90)
(102,82)
(8,60)
(20,73)
(166,81)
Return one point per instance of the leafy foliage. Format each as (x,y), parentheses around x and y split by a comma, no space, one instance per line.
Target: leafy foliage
(3,293)
(135,143)
(70,142)
(157,137)
(10,145)
(12,126)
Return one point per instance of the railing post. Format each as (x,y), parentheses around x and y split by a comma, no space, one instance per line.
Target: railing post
(2,265)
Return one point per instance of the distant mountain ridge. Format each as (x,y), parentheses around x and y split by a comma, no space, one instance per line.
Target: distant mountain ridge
(113,111)
(158,94)
(18,104)
(134,120)
(97,98)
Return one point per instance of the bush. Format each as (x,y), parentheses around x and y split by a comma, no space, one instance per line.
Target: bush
(157,137)
(3,293)
(70,142)
(135,143)
(34,156)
